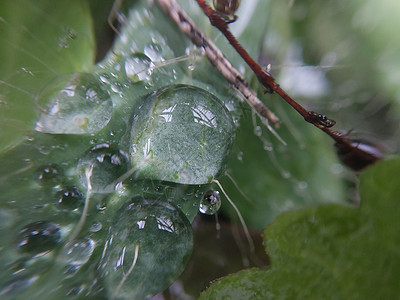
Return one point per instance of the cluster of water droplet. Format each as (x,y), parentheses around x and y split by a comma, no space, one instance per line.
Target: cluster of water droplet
(98,200)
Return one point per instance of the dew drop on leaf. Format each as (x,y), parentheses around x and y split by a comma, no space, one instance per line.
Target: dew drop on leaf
(181,134)
(210,203)
(154,52)
(83,106)
(48,175)
(159,234)
(79,251)
(69,198)
(138,67)
(108,165)
(38,238)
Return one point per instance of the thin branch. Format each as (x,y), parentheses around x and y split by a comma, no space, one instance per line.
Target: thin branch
(187,26)
(343,143)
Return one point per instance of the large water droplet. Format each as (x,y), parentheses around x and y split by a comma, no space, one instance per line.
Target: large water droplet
(181,134)
(108,165)
(210,203)
(83,106)
(138,67)
(160,234)
(38,238)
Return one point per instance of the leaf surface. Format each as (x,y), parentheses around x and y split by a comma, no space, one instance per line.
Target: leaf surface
(330,251)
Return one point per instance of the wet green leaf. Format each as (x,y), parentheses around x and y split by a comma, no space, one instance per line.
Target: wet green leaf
(41,42)
(330,251)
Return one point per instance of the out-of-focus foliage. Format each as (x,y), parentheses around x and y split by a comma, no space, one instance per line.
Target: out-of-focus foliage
(330,251)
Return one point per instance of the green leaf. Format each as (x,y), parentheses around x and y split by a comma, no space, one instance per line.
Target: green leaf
(41,43)
(76,173)
(330,251)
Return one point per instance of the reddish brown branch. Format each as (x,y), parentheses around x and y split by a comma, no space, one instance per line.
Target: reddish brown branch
(343,144)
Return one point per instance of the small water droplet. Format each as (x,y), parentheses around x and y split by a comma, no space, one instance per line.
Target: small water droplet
(240,156)
(107,163)
(159,189)
(302,185)
(258,131)
(210,203)
(154,52)
(27,71)
(105,78)
(38,238)
(101,205)
(138,67)
(78,252)
(49,175)
(68,36)
(96,227)
(69,198)
(268,147)
(191,67)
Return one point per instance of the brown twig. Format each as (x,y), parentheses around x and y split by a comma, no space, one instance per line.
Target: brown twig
(263,76)
(187,26)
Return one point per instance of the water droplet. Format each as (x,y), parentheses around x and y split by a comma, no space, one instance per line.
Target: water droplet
(240,156)
(101,205)
(96,227)
(108,165)
(78,252)
(68,36)
(38,238)
(268,147)
(136,227)
(182,134)
(81,107)
(210,203)
(191,67)
(154,52)
(69,198)
(258,131)
(138,67)
(27,71)
(105,78)
(49,175)
(302,185)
